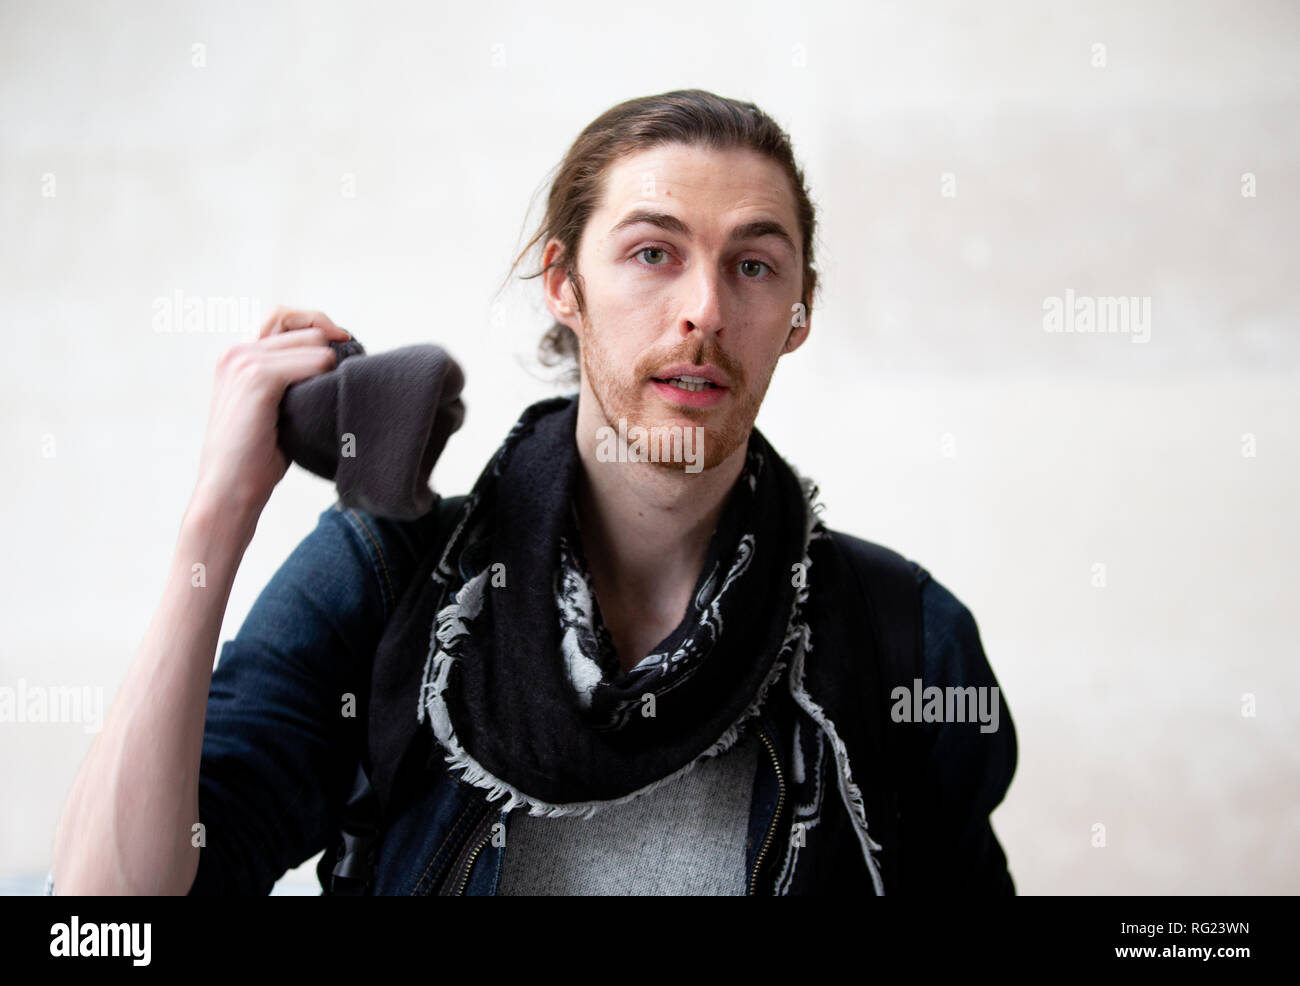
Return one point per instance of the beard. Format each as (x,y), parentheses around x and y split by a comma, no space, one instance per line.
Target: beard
(628,395)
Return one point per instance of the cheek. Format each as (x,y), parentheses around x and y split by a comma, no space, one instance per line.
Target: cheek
(761,351)
(621,305)
(620,288)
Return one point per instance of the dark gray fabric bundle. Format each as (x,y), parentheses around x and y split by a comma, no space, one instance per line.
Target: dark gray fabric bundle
(399,408)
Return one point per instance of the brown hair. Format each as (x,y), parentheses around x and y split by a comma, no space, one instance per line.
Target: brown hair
(688,116)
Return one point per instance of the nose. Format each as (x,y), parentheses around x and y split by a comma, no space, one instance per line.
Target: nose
(701,309)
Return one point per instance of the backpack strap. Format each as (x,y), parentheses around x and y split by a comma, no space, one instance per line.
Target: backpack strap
(349,870)
(890,588)
(890,584)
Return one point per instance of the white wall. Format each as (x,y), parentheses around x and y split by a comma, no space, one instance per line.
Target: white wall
(937,414)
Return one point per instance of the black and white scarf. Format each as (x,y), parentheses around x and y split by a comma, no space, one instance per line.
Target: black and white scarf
(521,687)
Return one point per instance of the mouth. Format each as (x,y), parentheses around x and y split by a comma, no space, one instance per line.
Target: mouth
(690,391)
(692,385)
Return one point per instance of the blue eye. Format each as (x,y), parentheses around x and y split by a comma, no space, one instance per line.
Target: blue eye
(762,265)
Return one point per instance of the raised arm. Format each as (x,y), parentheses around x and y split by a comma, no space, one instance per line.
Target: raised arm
(127,824)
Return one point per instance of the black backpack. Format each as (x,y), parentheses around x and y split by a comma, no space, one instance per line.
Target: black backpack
(890,587)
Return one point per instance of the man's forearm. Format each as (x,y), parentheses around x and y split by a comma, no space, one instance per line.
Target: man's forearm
(127,826)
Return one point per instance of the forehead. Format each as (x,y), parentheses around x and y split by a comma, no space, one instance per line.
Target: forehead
(709,184)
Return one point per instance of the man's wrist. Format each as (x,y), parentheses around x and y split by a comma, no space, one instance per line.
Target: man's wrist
(228,517)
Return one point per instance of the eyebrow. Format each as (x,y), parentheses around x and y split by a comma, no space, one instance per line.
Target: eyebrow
(670,223)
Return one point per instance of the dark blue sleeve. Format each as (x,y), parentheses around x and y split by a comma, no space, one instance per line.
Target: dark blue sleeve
(967,767)
(278,746)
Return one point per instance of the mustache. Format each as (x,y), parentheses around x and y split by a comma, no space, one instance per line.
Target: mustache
(697,353)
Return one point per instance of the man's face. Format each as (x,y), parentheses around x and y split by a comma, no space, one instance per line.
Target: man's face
(686,273)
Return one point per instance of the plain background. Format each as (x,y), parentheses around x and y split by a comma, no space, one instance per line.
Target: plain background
(377,161)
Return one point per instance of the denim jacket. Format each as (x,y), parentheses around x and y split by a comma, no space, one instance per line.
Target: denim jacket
(281,739)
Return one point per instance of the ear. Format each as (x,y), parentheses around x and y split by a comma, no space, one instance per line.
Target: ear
(558,290)
(796,337)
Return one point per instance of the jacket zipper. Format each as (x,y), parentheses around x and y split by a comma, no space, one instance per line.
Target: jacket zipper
(468,867)
(771,828)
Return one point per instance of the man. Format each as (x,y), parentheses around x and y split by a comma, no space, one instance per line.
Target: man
(632,660)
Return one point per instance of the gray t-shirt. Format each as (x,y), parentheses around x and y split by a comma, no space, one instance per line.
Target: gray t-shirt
(686,837)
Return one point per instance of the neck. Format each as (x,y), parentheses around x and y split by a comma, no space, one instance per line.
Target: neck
(645,531)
